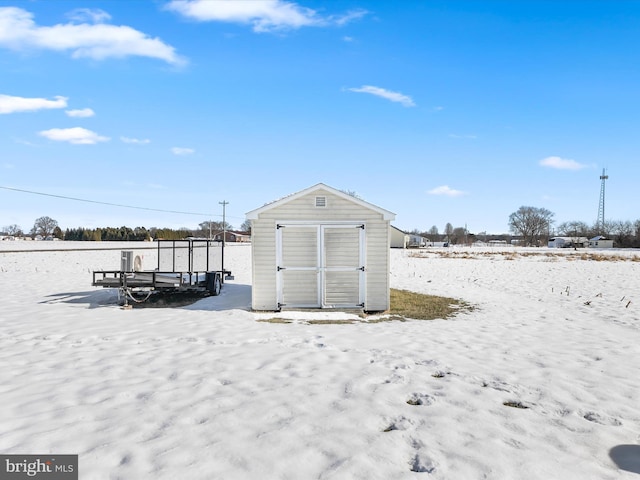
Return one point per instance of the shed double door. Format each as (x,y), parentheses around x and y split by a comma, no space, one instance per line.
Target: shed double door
(320,266)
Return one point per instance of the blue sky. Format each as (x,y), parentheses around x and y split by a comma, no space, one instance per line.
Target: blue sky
(440,111)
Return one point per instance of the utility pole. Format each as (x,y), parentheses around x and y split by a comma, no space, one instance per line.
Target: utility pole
(224,203)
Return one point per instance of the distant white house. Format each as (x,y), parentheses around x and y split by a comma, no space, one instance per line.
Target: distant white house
(600,242)
(568,242)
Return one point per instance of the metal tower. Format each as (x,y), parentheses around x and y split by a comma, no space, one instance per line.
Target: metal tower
(600,221)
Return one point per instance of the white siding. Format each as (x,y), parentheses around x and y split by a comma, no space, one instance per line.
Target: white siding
(263,245)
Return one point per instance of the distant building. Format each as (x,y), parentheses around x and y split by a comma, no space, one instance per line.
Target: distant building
(568,242)
(600,242)
(233,236)
(417,241)
(398,238)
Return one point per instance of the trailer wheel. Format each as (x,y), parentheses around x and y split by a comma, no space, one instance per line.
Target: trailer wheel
(217,285)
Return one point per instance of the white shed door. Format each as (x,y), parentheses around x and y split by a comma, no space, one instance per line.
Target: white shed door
(299,266)
(320,266)
(343,266)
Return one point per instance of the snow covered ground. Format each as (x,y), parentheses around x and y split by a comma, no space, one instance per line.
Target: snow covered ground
(210,392)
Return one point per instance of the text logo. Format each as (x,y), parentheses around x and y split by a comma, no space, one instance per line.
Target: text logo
(39,467)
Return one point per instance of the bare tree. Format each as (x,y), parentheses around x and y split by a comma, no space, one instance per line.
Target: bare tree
(13,230)
(213,228)
(623,232)
(448,231)
(433,233)
(246,226)
(352,193)
(44,226)
(532,223)
(574,228)
(458,235)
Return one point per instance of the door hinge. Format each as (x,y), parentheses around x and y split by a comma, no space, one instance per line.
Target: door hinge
(361,268)
(281,268)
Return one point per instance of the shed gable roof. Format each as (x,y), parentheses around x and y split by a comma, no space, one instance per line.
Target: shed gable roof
(401,231)
(386,214)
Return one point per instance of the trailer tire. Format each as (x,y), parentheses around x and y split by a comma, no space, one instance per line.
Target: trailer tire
(216,285)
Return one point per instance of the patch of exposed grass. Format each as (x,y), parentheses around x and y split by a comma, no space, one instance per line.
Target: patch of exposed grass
(392,318)
(275,320)
(331,322)
(419,306)
(405,305)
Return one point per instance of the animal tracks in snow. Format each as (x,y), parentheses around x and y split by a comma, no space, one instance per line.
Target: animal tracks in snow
(399,423)
(440,393)
(420,399)
(601,419)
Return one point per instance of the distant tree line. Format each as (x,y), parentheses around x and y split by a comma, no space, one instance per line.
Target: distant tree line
(107,234)
(625,234)
(47,228)
(452,235)
(533,226)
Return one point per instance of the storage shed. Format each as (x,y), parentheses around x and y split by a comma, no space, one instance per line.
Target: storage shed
(398,238)
(320,248)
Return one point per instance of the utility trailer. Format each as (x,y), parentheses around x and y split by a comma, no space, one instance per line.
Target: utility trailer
(184,266)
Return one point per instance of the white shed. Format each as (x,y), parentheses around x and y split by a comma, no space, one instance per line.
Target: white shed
(320,248)
(398,238)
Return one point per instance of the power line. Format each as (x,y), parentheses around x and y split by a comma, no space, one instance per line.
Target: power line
(208,215)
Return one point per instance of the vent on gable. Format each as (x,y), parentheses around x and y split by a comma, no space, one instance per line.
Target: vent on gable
(321,201)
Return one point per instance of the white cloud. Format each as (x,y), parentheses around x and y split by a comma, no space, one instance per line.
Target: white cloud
(9,104)
(561,163)
(93,15)
(135,141)
(348,17)
(263,15)
(182,151)
(80,113)
(18,31)
(76,136)
(446,191)
(387,94)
